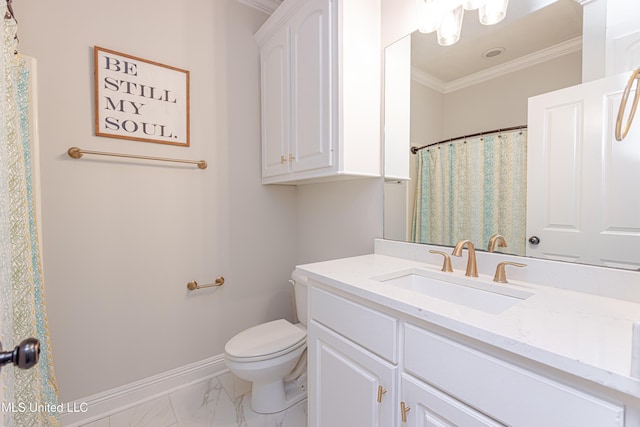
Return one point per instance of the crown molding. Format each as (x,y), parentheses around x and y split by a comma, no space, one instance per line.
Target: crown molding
(428,80)
(266,6)
(277,19)
(556,51)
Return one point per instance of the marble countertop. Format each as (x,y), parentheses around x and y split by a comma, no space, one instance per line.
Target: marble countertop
(585,335)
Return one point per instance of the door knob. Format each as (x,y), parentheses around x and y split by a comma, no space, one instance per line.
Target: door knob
(24,356)
(534,240)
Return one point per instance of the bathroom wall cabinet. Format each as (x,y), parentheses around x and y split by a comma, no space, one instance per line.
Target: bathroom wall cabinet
(320,85)
(372,366)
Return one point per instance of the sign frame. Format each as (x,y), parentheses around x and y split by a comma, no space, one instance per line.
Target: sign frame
(140,100)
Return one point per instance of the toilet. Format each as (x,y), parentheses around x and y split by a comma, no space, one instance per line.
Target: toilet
(272,356)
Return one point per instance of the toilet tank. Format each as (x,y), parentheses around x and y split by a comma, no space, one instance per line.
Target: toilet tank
(300,292)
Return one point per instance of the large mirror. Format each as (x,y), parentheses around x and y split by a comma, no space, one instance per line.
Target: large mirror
(484,83)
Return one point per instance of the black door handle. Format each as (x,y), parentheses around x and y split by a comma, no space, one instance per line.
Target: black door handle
(24,356)
(534,240)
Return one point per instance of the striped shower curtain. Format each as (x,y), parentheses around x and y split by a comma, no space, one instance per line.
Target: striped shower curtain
(28,397)
(471,189)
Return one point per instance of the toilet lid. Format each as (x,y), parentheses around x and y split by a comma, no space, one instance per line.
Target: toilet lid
(265,339)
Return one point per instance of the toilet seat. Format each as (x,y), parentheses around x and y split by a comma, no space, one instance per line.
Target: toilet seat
(265,341)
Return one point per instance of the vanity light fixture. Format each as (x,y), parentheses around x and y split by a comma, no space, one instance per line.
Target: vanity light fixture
(493,11)
(445,16)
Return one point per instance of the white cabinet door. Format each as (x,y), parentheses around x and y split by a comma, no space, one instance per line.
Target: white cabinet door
(331,91)
(345,383)
(311,86)
(583,200)
(428,407)
(274,66)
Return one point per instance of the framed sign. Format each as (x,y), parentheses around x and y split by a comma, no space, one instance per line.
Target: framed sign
(139,99)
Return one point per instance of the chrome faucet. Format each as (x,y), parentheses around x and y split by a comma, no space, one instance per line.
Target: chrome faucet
(496,239)
(472,268)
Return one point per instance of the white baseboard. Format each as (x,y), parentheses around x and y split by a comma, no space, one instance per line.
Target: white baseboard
(109,402)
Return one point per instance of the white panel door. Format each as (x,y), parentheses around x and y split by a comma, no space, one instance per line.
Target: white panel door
(274,70)
(429,407)
(346,381)
(583,197)
(311,87)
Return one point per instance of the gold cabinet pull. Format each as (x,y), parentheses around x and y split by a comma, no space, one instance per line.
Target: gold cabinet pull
(403,411)
(446,262)
(381,391)
(291,157)
(283,159)
(621,134)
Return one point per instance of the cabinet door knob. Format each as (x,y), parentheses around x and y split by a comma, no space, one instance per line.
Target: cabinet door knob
(534,240)
(291,157)
(283,159)
(381,391)
(403,411)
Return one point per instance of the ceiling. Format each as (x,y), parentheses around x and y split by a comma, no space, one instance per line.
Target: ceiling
(530,26)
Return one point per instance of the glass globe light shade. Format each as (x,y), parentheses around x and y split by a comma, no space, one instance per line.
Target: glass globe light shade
(493,11)
(451,26)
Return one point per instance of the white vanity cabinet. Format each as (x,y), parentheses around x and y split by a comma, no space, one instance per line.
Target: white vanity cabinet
(353,373)
(320,84)
(352,387)
(504,391)
(436,377)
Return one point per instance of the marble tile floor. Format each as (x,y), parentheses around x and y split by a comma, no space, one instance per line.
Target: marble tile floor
(222,401)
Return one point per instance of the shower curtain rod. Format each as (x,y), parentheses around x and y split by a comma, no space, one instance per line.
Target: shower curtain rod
(414,150)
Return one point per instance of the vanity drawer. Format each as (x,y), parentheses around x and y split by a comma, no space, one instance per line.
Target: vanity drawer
(505,392)
(373,330)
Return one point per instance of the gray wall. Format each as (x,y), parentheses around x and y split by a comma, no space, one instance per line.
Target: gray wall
(122,238)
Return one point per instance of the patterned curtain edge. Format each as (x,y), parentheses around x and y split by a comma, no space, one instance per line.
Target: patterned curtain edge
(33,392)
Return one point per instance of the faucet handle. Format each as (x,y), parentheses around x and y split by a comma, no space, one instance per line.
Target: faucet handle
(501,275)
(446,263)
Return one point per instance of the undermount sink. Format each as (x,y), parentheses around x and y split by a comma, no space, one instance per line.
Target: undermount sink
(469,292)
